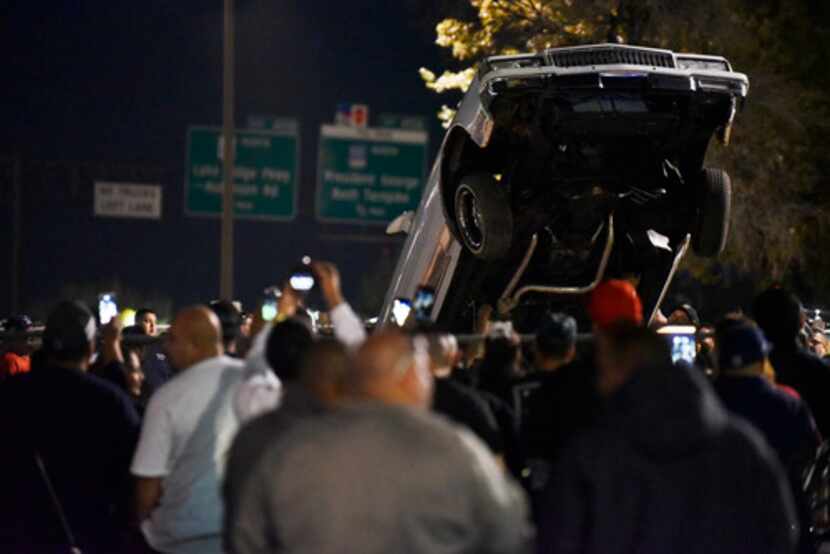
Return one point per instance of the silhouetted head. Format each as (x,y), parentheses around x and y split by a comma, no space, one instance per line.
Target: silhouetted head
(324,370)
(69,338)
(625,348)
(288,344)
(778,313)
(556,340)
(393,368)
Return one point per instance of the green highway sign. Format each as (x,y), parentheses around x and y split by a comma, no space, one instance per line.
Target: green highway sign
(400,121)
(369,175)
(265,173)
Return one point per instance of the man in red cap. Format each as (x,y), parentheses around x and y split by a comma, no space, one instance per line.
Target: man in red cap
(666,468)
(613,302)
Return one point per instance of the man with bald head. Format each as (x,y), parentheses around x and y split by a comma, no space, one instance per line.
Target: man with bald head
(188,429)
(393,368)
(381,473)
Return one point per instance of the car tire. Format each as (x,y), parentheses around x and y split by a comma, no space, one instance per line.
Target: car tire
(484,216)
(714,206)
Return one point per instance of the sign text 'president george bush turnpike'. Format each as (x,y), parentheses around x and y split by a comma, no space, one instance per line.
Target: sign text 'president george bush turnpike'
(369,175)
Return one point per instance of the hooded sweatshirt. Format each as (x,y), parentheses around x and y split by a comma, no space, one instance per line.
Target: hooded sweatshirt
(667,470)
(808,375)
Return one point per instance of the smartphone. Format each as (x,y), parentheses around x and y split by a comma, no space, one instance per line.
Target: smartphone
(401,308)
(683,342)
(302,279)
(269,308)
(423,303)
(107,307)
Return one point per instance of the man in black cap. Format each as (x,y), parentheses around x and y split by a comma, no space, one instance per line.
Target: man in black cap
(564,399)
(564,402)
(684,314)
(73,432)
(230,318)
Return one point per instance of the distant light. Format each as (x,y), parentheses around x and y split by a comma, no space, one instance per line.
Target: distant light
(127,317)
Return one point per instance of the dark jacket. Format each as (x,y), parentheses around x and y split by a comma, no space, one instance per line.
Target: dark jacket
(563,405)
(84,429)
(667,470)
(466,407)
(808,375)
(785,421)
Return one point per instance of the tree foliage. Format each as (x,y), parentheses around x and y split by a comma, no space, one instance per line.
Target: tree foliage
(778,159)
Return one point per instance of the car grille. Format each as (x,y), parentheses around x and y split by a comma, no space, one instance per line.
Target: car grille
(610,55)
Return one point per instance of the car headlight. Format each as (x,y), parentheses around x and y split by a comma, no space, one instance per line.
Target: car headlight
(703,64)
(515,62)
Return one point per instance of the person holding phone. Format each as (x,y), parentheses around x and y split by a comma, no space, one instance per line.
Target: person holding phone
(260,390)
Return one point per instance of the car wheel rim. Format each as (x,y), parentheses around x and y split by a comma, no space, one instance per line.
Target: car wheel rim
(469,218)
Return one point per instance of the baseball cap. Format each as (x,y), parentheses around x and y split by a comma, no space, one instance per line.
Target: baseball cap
(69,328)
(740,346)
(555,330)
(691,313)
(615,301)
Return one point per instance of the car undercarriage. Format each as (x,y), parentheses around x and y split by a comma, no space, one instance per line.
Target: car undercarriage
(552,179)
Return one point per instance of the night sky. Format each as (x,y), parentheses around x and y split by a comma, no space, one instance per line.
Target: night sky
(122,81)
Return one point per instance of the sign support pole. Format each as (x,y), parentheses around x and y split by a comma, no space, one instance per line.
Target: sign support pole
(16,219)
(226,272)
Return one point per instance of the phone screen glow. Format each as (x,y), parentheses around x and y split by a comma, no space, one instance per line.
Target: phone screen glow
(269,310)
(302,282)
(400,311)
(106,308)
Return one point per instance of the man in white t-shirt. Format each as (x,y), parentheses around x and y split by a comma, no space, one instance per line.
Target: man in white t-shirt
(187,431)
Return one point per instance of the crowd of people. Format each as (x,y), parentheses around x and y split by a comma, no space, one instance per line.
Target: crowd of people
(237,435)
